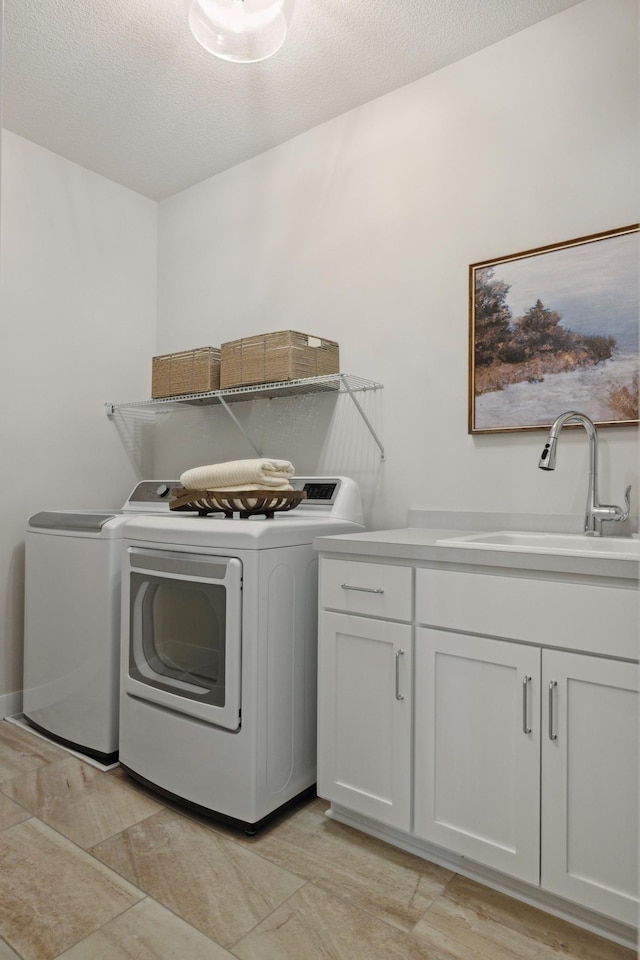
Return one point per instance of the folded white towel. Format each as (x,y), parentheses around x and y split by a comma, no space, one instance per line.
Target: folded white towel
(256,474)
(244,487)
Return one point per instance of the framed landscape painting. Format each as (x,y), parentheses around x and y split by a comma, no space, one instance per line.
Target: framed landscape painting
(553,329)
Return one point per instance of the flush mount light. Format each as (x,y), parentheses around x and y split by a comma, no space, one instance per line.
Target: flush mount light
(241,30)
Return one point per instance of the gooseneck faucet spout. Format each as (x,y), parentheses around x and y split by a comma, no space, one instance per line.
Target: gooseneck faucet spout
(596,513)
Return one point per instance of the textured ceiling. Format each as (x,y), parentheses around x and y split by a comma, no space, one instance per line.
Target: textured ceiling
(121,86)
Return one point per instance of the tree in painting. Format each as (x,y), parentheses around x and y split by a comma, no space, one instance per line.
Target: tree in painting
(492,316)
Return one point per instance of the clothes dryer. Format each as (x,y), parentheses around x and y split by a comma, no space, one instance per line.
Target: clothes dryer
(219,649)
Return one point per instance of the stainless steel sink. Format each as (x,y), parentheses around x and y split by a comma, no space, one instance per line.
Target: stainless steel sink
(567,544)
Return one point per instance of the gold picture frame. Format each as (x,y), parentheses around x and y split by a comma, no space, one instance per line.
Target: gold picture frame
(556,328)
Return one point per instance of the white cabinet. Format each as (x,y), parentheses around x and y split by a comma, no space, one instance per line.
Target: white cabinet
(526,760)
(590,782)
(364,728)
(365,679)
(491,716)
(477,749)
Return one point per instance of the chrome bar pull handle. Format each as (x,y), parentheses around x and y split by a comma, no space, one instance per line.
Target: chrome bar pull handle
(552,732)
(349,586)
(399,696)
(525,705)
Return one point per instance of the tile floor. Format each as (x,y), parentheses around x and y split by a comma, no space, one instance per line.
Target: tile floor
(93,867)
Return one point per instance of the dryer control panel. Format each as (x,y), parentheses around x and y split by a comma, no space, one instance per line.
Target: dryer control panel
(319,491)
(150,495)
(337,498)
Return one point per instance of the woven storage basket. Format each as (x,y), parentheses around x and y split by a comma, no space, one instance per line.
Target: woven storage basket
(192,371)
(273,357)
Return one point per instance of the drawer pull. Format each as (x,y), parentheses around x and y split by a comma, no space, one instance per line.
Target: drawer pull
(525,705)
(399,696)
(552,733)
(348,586)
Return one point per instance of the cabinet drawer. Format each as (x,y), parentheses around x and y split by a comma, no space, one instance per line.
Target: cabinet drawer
(372,589)
(591,616)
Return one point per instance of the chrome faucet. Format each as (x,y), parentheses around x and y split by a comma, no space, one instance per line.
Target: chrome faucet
(596,513)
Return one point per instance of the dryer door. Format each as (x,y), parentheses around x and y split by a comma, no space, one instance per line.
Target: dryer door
(184,636)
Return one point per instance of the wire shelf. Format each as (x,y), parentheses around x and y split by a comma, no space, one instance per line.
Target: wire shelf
(339,382)
(334,383)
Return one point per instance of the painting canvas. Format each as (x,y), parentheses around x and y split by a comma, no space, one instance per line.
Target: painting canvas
(554,329)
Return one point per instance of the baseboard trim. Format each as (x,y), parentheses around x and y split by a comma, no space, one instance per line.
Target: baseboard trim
(10,704)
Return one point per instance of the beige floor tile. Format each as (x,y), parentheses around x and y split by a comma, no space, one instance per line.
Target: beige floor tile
(146,932)
(52,894)
(6,953)
(122,776)
(393,885)
(21,751)
(313,925)
(218,886)
(481,923)
(305,888)
(11,813)
(81,802)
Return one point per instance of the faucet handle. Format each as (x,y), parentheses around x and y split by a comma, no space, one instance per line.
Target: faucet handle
(627,503)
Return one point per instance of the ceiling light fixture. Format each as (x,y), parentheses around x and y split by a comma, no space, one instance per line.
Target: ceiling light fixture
(244,31)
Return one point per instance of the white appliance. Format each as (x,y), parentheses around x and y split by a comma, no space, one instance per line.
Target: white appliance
(219,648)
(72,620)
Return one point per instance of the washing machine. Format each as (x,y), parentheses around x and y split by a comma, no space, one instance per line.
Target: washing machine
(72,620)
(219,651)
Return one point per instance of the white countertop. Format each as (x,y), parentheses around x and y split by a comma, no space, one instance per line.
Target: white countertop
(417,543)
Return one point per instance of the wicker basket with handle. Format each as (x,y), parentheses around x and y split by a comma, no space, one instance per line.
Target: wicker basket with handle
(190,371)
(275,357)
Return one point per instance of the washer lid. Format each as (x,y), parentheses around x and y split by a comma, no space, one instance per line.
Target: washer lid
(66,520)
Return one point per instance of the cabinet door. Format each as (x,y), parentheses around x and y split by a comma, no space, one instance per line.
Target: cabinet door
(590,782)
(477,775)
(364,716)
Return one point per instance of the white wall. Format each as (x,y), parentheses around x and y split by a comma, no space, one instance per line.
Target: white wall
(78,310)
(362,230)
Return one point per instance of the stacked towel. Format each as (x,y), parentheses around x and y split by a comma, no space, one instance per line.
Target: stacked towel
(240,475)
